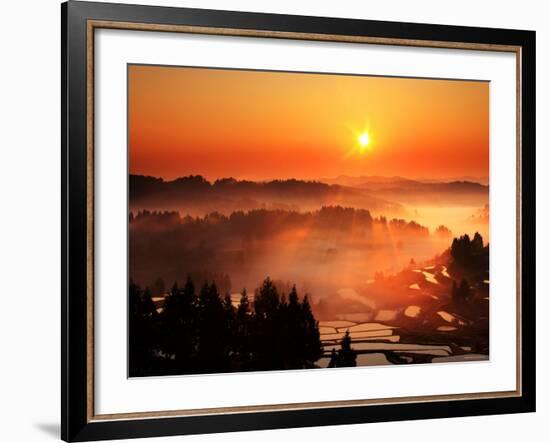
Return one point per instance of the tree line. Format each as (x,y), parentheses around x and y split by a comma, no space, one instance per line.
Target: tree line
(256,220)
(167,245)
(469,253)
(199,331)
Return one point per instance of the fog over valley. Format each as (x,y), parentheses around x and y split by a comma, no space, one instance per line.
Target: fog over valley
(330,240)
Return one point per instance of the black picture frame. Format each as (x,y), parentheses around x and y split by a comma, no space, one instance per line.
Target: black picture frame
(76,422)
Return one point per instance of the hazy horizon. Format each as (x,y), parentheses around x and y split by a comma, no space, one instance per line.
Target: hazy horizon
(258,125)
(479,180)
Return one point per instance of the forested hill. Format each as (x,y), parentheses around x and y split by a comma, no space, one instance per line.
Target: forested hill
(227,195)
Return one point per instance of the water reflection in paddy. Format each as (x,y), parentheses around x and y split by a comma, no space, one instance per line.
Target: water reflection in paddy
(377,343)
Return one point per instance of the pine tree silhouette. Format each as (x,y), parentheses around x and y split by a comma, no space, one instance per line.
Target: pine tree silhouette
(205,333)
(242,341)
(346,356)
(211,327)
(179,320)
(265,340)
(292,340)
(333,363)
(230,317)
(310,331)
(141,324)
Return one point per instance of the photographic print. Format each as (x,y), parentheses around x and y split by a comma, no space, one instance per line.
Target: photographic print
(254,200)
(301,220)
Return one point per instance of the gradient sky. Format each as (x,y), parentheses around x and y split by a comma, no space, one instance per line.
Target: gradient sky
(263,125)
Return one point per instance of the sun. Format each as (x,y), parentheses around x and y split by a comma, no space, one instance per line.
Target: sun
(364,140)
(361,141)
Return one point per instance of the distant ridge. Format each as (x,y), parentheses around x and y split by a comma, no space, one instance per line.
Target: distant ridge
(415,192)
(362,181)
(229,194)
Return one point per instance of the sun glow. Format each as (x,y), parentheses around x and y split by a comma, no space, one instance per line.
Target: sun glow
(364,140)
(361,141)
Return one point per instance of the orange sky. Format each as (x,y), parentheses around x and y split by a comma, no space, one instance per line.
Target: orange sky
(264,125)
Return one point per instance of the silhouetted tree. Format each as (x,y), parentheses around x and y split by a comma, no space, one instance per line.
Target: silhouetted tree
(206,333)
(292,338)
(242,331)
(477,244)
(179,321)
(141,324)
(461,249)
(312,338)
(266,300)
(212,345)
(266,328)
(230,315)
(346,356)
(469,253)
(333,363)
(244,306)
